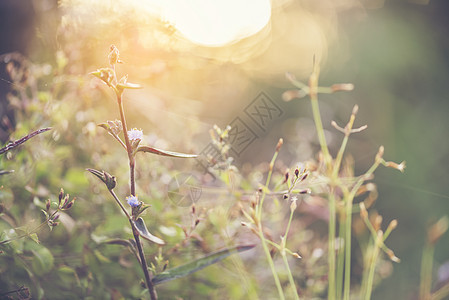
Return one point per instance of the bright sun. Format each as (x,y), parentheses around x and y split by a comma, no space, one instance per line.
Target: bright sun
(216,23)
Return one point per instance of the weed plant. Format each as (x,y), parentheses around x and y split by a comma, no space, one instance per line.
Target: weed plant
(99,253)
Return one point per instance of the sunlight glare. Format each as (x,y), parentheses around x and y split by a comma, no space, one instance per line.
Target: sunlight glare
(217,23)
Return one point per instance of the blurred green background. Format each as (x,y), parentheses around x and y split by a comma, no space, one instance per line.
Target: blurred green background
(395,52)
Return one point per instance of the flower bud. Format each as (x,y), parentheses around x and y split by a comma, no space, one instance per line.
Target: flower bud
(342,87)
(61,194)
(279,145)
(393,224)
(109,180)
(286,176)
(363,211)
(392,256)
(113,55)
(292,94)
(380,153)
(304,177)
(306,191)
(69,205)
(400,167)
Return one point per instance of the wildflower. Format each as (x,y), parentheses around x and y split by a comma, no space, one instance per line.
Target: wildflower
(135,134)
(133,201)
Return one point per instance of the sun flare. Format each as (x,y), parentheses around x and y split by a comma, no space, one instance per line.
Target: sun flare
(217,23)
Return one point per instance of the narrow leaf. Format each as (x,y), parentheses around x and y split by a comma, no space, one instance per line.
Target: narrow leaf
(129,85)
(130,244)
(143,231)
(96,173)
(164,152)
(122,242)
(197,265)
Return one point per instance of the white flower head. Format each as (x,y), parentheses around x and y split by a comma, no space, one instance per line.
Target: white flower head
(135,134)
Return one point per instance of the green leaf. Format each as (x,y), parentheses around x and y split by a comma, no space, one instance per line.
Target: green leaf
(143,231)
(35,238)
(164,152)
(197,265)
(43,261)
(68,276)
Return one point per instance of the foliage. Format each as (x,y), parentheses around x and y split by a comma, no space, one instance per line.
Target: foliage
(96,253)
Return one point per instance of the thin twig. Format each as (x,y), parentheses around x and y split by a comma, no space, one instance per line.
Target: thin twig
(22,140)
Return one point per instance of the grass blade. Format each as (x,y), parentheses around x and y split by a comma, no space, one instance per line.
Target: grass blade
(198,264)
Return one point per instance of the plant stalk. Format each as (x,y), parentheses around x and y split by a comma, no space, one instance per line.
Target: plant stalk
(372,268)
(313,90)
(331,245)
(426,272)
(270,263)
(132,163)
(259,225)
(348,199)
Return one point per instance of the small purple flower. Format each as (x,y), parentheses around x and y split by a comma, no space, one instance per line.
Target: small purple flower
(133,201)
(135,134)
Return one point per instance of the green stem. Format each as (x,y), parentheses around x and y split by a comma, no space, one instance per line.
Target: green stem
(313,90)
(319,128)
(119,140)
(441,293)
(347,243)
(340,257)
(259,224)
(290,276)
(128,146)
(35,230)
(120,204)
(270,172)
(426,272)
(349,198)
(270,263)
(284,257)
(342,149)
(331,245)
(372,268)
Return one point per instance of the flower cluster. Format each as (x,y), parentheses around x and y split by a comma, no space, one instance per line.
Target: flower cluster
(135,134)
(133,201)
